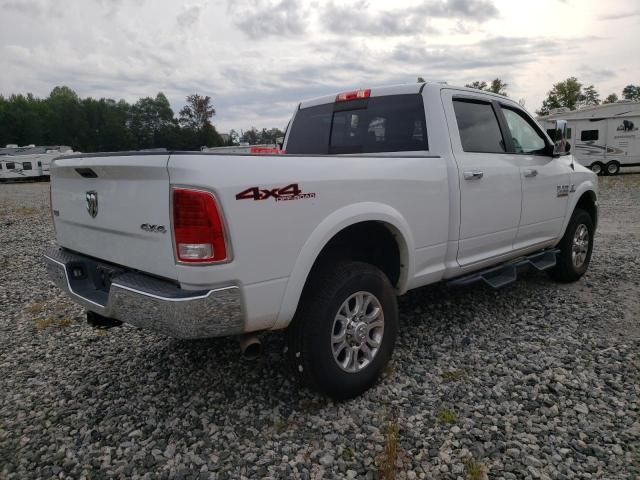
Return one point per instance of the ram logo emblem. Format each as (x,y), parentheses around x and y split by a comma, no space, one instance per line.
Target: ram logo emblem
(92,203)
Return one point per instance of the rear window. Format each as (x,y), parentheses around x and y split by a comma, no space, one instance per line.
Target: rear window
(393,123)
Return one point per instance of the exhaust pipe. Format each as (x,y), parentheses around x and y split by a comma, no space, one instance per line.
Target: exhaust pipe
(250,346)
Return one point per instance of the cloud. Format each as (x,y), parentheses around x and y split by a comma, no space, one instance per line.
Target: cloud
(29,8)
(620,16)
(359,18)
(474,10)
(264,18)
(189,16)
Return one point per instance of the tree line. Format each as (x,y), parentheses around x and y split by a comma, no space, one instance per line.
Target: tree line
(90,125)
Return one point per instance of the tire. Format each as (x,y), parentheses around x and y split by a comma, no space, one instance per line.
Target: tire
(597,168)
(311,350)
(566,269)
(612,168)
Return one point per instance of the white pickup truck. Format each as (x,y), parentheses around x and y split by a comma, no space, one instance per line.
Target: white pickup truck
(380,191)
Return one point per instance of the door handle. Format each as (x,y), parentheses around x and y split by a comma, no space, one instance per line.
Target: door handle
(531,172)
(473,175)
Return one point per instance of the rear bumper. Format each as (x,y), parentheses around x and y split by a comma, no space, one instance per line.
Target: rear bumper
(145,301)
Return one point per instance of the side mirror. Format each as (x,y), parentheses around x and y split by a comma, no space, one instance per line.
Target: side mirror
(561,146)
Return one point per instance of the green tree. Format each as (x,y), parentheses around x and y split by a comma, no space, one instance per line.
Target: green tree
(477,85)
(611,98)
(421,80)
(65,119)
(567,93)
(590,96)
(251,136)
(631,92)
(152,123)
(498,86)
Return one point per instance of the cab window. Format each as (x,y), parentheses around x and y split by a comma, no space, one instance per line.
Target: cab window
(478,127)
(526,139)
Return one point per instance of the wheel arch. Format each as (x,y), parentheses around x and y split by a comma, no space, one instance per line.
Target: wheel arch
(341,223)
(586,198)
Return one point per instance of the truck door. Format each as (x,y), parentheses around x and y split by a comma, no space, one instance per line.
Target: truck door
(489,178)
(545,181)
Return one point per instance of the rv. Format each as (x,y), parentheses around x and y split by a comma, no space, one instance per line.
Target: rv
(28,163)
(604,138)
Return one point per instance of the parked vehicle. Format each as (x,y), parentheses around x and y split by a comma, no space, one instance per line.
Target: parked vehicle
(28,163)
(381,191)
(605,137)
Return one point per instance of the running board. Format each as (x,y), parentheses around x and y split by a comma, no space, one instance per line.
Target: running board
(507,273)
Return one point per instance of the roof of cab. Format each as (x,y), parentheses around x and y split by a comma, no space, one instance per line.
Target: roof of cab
(406,88)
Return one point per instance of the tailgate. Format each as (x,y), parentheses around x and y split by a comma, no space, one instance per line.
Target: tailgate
(115,208)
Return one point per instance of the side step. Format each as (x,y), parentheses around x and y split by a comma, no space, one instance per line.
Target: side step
(507,273)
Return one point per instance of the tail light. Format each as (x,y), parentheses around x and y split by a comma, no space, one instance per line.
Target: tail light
(197,227)
(354,95)
(266,151)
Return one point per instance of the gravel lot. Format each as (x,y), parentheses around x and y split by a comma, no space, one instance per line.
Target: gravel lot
(535,381)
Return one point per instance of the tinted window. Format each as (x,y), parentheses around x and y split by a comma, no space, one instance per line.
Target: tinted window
(478,126)
(26,165)
(587,135)
(11,165)
(568,133)
(526,138)
(393,123)
(310,130)
(39,163)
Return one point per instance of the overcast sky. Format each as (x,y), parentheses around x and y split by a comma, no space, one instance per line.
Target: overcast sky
(257,59)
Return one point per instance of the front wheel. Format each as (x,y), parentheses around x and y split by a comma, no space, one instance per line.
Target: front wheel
(345,329)
(575,248)
(597,168)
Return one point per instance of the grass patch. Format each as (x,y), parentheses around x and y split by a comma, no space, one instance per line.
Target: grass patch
(474,470)
(49,322)
(26,211)
(348,453)
(452,376)
(447,416)
(387,460)
(35,308)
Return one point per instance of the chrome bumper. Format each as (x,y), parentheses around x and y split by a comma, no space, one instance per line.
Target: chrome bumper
(145,301)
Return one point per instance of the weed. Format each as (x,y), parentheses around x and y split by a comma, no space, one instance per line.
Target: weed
(44,323)
(474,470)
(446,416)
(25,211)
(35,308)
(49,322)
(281,425)
(452,376)
(387,460)
(348,453)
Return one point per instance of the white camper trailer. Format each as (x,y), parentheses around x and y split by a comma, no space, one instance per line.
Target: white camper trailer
(604,138)
(28,163)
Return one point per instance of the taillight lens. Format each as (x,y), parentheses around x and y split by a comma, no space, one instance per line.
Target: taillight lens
(354,95)
(197,227)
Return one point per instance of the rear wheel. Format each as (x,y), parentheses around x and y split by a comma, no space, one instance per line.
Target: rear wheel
(575,248)
(345,329)
(613,168)
(597,168)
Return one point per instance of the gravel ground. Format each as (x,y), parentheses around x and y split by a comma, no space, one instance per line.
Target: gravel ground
(537,381)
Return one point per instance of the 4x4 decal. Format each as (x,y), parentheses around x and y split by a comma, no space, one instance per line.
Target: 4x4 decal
(279,194)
